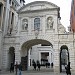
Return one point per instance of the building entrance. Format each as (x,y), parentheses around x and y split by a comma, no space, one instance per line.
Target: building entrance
(31,50)
(11,57)
(64,58)
(24,63)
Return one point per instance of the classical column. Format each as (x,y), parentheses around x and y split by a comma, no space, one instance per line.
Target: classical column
(0,49)
(29,57)
(39,56)
(49,56)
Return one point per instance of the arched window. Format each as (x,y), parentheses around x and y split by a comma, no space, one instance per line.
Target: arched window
(24,24)
(36,23)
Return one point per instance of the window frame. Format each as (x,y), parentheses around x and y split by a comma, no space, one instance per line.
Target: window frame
(37,23)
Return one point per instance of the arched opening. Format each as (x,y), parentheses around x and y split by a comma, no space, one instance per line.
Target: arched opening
(37,50)
(11,56)
(64,57)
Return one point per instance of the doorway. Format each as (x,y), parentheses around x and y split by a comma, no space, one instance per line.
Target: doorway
(64,57)
(11,56)
(31,49)
(24,62)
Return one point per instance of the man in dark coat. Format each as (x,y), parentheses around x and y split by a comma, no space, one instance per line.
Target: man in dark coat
(68,71)
(12,67)
(34,64)
(38,65)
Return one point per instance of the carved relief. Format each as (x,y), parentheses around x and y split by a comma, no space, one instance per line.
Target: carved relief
(24,24)
(61,28)
(50,23)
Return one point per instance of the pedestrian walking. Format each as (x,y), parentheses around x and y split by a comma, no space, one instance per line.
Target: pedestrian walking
(16,67)
(52,65)
(47,64)
(68,71)
(34,64)
(20,69)
(38,65)
(11,67)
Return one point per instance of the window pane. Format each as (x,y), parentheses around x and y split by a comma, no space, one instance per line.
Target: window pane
(37,23)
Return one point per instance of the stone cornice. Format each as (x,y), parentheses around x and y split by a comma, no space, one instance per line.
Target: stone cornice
(38,10)
(11,43)
(10,37)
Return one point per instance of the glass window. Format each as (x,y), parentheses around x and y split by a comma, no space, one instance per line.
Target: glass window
(36,23)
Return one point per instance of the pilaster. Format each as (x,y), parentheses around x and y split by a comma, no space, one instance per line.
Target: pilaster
(56,58)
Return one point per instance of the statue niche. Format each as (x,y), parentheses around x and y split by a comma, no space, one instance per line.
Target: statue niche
(24,24)
(50,23)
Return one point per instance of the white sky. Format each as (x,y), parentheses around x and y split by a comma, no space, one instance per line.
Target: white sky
(65,8)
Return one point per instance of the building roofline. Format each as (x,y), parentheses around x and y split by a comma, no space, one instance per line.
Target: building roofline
(38,2)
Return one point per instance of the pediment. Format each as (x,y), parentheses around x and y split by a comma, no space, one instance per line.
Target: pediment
(37,5)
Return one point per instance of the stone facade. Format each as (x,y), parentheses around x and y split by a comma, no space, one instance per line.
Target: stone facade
(8,10)
(38,34)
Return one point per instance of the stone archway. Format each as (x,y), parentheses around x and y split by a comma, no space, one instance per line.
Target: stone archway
(64,57)
(36,49)
(11,56)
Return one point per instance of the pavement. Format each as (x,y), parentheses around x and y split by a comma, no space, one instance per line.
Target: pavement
(33,72)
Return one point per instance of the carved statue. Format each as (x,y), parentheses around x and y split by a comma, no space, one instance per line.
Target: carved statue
(50,23)
(25,24)
(9,31)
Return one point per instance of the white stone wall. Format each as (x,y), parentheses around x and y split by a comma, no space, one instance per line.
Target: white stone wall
(23,40)
(7,41)
(0,49)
